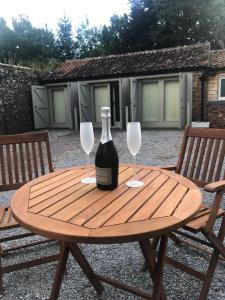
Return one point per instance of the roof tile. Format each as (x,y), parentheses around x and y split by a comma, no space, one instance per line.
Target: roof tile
(136,63)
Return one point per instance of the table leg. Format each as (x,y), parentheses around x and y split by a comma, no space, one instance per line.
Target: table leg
(159,267)
(64,252)
(155,268)
(86,268)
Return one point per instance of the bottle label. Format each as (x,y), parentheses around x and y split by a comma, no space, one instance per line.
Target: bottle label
(104,176)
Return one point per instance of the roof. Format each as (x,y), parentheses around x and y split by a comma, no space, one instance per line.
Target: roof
(176,59)
(217,59)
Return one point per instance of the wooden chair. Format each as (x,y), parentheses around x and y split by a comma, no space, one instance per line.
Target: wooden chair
(201,159)
(22,158)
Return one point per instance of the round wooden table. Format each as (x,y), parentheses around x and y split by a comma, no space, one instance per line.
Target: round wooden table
(59,206)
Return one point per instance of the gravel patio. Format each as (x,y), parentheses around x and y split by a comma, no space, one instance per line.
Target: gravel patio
(159,147)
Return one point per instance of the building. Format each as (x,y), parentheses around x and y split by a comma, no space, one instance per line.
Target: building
(165,88)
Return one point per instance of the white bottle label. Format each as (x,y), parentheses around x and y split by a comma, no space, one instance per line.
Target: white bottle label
(104,176)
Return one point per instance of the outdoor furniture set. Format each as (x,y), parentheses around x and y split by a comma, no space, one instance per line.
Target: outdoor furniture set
(58,206)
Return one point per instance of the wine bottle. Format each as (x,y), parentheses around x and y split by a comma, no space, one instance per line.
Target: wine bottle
(106,159)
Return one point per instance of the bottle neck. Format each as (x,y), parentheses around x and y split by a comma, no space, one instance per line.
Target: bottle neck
(106,134)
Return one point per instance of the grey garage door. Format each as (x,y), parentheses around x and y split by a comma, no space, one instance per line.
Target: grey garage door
(157,102)
(40,106)
(160,103)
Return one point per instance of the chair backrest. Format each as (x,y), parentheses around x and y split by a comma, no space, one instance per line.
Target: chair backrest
(202,153)
(23,157)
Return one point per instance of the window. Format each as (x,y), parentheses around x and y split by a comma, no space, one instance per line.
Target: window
(222,88)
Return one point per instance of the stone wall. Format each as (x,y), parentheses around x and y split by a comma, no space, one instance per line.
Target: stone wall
(15,98)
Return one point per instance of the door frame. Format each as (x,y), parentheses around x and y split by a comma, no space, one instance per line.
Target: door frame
(92,96)
(92,83)
(117,124)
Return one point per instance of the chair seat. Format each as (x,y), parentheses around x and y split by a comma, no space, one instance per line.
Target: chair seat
(6,219)
(201,219)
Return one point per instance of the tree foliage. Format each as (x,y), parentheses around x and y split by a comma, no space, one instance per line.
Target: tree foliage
(149,24)
(166,23)
(25,44)
(7,37)
(32,43)
(88,40)
(65,43)
(115,38)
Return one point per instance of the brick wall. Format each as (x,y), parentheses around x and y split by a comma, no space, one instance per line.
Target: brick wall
(215,108)
(196,98)
(15,98)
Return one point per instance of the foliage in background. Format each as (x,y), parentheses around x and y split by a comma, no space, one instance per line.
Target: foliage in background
(65,45)
(150,24)
(7,46)
(26,45)
(88,41)
(166,23)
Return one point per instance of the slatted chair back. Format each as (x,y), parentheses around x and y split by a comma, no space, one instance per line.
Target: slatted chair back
(22,158)
(202,153)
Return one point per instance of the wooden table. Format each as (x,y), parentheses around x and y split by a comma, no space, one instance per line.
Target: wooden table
(58,206)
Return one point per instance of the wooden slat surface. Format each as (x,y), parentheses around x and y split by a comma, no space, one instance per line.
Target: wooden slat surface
(207,159)
(60,206)
(23,157)
(213,160)
(201,158)
(15,163)
(189,154)
(201,219)
(220,162)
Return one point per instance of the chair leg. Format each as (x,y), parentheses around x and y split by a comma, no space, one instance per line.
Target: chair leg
(209,275)
(212,264)
(175,239)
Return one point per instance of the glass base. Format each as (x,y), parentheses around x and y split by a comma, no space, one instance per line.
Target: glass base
(135,183)
(88,180)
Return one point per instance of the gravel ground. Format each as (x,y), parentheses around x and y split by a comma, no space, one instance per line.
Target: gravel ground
(159,147)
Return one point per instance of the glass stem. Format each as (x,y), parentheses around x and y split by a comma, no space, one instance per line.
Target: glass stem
(134,163)
(88,163)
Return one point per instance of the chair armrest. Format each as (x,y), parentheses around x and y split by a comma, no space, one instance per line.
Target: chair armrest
(215,186)
(169,168)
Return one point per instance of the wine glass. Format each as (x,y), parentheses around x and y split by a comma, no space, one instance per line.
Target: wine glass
(134,145)
(87,143)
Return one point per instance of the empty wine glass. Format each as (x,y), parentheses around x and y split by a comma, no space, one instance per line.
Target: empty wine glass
(134,145)
(87,143)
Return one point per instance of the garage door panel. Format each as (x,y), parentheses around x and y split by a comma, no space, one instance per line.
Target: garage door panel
(150,101)
(171,101)
(59,106)
(160,102)
(101,99)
